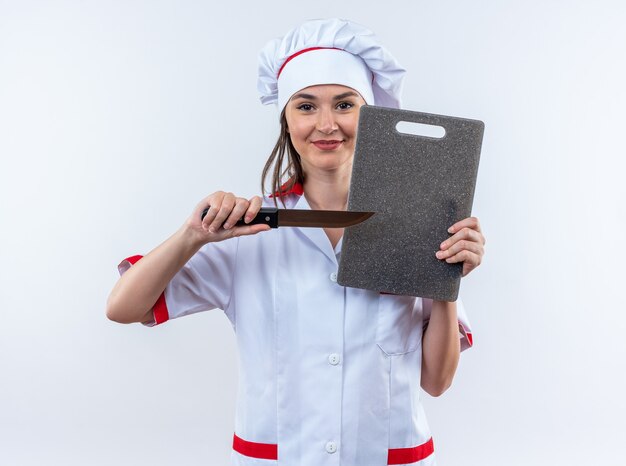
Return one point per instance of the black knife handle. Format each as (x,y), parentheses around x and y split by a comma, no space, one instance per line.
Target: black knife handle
(266,216)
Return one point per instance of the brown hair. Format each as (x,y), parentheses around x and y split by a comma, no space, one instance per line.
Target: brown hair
(292,172)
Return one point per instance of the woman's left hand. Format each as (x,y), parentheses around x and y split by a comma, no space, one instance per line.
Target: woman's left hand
(467,245)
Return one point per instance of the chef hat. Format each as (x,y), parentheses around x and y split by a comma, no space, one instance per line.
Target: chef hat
(329,51)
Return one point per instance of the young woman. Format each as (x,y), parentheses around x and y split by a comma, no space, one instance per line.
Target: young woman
(328,374)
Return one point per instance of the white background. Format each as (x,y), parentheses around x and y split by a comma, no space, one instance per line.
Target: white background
(116,117)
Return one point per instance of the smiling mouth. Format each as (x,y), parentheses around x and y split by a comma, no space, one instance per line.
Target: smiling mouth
(327,145)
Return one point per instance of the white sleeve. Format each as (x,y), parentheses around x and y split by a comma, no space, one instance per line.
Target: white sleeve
(465,330)
(205,282)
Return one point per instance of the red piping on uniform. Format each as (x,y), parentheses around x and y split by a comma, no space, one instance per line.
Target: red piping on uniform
(296,189)
(410,455)
(269,451)
(291,57)
(264,451)
(468,335)
(132,260)
(160,311)
(161,314)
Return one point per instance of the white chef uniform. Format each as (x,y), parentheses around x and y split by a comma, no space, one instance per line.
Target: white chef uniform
(329,375)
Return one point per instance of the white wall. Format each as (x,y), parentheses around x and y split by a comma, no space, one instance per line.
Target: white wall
(116,117)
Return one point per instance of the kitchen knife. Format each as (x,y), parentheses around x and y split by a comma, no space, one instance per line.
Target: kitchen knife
(275,218)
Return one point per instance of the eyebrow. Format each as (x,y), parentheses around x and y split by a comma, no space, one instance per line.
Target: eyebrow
(302,95)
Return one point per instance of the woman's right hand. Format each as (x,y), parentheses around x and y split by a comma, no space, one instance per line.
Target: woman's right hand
(225,210)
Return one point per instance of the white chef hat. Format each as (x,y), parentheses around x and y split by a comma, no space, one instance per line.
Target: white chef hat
(329,51)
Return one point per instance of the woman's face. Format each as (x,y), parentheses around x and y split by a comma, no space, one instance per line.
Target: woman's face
(322,123)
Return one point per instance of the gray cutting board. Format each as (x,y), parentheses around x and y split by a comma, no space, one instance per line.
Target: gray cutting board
(418,186)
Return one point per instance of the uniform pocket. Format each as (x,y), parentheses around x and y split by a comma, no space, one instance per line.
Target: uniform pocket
(399,327)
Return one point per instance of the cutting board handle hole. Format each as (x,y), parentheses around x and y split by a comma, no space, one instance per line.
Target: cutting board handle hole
(420,129)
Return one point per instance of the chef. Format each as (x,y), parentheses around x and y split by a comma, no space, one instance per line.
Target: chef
(329,375)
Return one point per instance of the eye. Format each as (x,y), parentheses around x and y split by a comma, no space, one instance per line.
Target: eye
(305,107)
(345,105)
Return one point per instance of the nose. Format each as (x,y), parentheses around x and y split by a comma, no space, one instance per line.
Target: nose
(326,123)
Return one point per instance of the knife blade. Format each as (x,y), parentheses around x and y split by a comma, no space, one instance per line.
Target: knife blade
(275,218)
